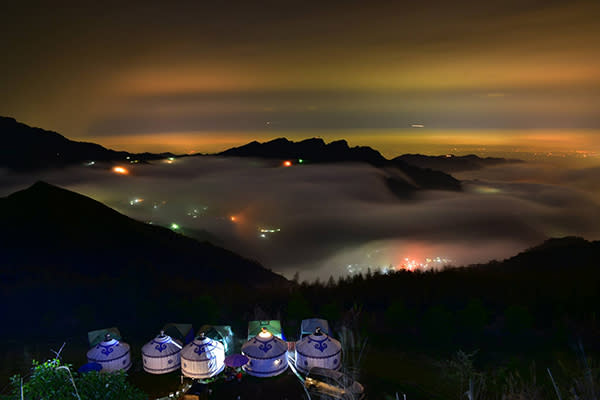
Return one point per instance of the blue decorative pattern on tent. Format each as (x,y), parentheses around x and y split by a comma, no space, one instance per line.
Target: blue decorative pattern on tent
(160,346)
(204,348)
(319,344)
(106,350)
(264,346)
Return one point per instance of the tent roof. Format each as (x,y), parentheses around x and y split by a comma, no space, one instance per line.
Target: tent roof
(182,332)
(107,351)
(310,325)
(273,326)
(97,336)
(264,347)
(157,346)
(223,333)
(202,349)
(223,330)
(318,345)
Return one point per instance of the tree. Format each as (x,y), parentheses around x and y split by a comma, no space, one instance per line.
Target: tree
(53,380)
(298,307)
(437,324)
(473,317)
(331,311)
(518,319)
(397,316)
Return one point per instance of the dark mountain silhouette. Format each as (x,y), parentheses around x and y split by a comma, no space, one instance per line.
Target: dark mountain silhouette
(403,177)
(25,148)
(51,233)
(566,254)
(451,163)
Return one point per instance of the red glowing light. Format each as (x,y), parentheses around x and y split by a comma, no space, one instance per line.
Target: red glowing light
(287,163)
(120,170)
(233,218)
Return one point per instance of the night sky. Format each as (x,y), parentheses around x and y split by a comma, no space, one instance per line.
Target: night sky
(203,76)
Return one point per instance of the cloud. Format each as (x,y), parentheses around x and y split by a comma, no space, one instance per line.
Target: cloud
(311,110)
(335,216)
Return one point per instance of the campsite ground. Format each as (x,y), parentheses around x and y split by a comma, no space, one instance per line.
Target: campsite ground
(282,387)
(285,386)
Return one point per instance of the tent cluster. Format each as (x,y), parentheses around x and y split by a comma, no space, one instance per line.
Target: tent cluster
(203,356)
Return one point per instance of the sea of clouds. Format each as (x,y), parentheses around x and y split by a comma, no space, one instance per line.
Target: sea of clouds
(336,219)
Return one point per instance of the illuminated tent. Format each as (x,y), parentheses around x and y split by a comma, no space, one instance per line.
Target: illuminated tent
(181,332)
(308,326)
(222,333)
(202,358)
(267,354)
(161,355)
(318,350)
(273,326)
(111,354)
(95,337)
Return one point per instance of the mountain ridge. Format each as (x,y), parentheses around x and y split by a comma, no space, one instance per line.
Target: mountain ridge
(44,226)
(315,150)
(27,148)
(452,163)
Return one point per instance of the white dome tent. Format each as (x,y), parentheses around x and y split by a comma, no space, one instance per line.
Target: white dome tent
(161,355)
(267,354)
(111,354)
(318,350)
(202,358)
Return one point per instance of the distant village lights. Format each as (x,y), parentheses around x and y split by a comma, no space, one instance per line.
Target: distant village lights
(265,231)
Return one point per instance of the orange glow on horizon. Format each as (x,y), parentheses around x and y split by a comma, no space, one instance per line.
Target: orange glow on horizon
(390,142)
(287,163)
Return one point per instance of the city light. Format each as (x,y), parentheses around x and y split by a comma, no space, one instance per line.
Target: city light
(407,264)
(263,230)
(287,163)
(120,170)
(410,264)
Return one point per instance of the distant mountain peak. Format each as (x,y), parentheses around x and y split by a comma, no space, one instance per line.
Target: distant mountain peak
(5,120)
(28,148)
(315,150)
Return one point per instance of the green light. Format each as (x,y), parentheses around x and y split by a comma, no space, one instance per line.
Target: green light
(300,161)
(174,226)
(171,158)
